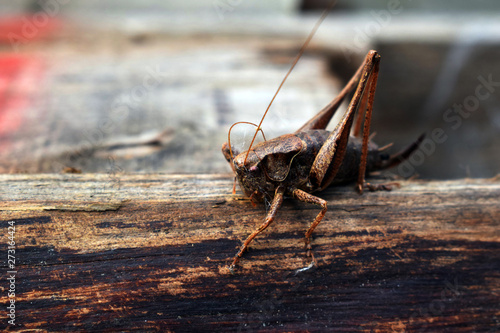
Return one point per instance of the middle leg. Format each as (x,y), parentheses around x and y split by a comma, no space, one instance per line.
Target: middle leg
(306,197)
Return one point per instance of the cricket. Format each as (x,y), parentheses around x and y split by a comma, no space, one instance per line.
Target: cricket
(313,158)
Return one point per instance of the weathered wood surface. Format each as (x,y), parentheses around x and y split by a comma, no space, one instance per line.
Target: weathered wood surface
(170,114)
(88,96)
(150,253)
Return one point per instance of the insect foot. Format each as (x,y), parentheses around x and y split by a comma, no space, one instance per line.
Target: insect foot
(236,259)
(309,251)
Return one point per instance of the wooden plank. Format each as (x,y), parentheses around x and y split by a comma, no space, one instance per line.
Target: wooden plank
(150,253)
(171,114)
(90,101)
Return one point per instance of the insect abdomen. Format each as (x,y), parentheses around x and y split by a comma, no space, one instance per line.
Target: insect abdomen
(348,171)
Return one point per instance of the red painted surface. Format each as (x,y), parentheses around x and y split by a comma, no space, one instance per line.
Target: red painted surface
(26,28)
(20,76)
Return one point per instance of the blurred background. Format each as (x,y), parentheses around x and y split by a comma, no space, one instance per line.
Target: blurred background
(153,86)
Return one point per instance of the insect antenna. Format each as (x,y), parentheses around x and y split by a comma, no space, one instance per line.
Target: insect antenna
(299,55)
(229,135)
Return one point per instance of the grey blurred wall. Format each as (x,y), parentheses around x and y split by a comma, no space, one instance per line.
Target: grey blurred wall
(285,6)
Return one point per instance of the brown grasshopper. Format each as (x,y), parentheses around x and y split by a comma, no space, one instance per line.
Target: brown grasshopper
(312,158)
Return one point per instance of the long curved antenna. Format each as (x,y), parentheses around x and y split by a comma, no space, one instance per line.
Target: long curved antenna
(229,135)
(299,55)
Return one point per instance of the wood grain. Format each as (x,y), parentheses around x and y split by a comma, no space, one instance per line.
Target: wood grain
(99,252)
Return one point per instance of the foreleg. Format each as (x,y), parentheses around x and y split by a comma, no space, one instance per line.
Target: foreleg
(275,205)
